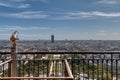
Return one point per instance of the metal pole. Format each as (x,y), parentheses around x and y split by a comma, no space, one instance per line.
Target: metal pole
(14,63)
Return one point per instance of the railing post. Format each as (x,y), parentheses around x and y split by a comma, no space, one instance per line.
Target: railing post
(14,38)
(14,63)
(9,69)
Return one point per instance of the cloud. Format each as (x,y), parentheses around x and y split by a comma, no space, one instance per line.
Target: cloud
(18,0)
(60,15)
(11,4)
(106,14)
(101,33)
(107,2)
(78,15)
(13,28)
(24,6)
(43,1)
(5,5)
(29,15)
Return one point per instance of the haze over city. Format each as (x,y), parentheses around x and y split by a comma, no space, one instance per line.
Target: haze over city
(66,19)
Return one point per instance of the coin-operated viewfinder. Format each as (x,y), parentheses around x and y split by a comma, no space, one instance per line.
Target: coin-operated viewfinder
(14,38)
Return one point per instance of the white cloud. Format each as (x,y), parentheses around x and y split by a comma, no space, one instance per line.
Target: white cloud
(106,14)
(43,1)
(16,4)
(5,5)
(60,15)
(107,1)
(77,15)
(29,15)
(18,0)
(24,6)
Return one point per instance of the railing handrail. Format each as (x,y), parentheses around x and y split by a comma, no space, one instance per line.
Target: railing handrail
(5,62)
(68,69)
(38,59)
(67,52)
(36,78)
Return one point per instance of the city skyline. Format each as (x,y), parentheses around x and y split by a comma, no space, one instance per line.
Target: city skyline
(72,20)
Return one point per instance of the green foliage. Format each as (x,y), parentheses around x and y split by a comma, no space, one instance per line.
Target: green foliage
(82,66)
(77,79)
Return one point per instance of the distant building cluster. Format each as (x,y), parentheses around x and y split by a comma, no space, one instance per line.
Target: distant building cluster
(63,45)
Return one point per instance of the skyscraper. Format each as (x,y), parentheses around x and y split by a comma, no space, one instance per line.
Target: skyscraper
(52,38)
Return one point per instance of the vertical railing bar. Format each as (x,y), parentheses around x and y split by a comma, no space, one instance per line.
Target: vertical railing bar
(33,67)
(29,70)
(107,68)
(19,71)
(9,69)
(111,66)
(102,69)
(88,69)
(43,67)
(47,68)
(55,67)
(83,68)
(3,71)
(71,62)
(74,65)
(116,69)
(62,68)
(23,68)
(38,68)
(78,67)
(93,65)
(59,66)
(97,69)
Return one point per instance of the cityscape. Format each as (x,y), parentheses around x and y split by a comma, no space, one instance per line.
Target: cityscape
(59,39)
(67,46)
(63,45)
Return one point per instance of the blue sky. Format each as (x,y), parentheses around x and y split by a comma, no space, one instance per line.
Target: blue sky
(66,19)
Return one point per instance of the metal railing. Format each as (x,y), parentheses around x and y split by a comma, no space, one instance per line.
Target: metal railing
(38,69)
(68,65)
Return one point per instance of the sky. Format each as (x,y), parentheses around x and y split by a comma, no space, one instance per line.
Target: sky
(65,19)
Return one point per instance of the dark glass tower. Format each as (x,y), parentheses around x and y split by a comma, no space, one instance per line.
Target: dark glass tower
(52,38)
